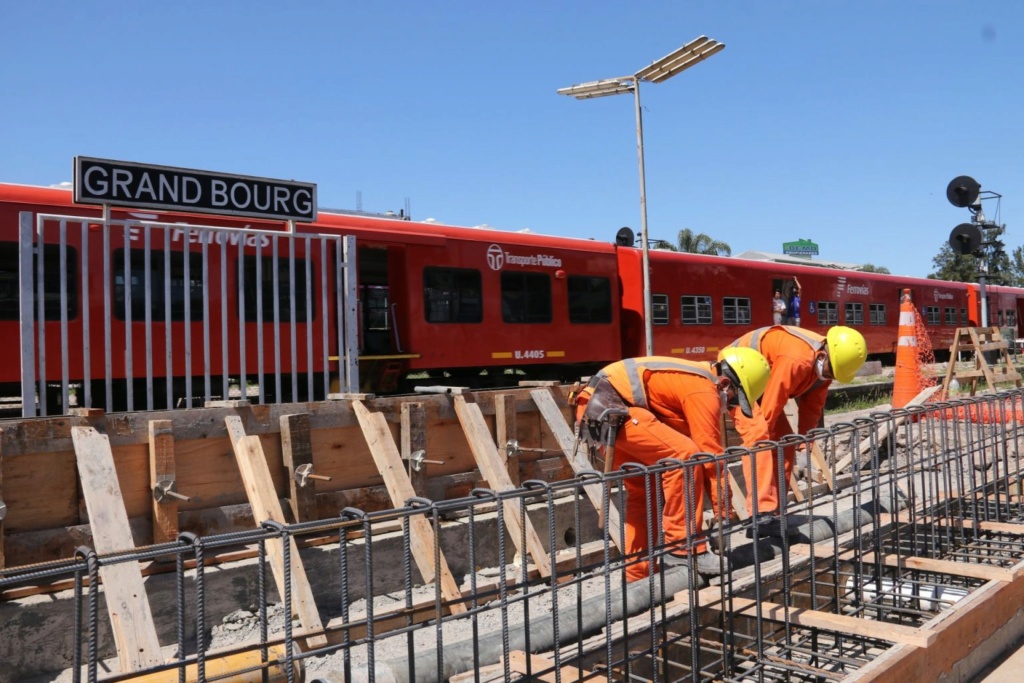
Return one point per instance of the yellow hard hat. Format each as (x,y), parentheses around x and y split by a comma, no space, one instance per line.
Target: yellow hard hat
(747,368)
(847,351)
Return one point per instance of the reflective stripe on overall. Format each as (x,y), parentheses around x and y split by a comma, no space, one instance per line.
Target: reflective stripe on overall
(627,376)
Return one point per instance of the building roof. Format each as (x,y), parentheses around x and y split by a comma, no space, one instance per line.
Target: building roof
(798,260)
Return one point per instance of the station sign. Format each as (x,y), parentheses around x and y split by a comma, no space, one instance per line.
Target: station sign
(129,184)
(801,247)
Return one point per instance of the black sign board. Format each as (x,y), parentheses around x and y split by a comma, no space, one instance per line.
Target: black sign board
(123,183)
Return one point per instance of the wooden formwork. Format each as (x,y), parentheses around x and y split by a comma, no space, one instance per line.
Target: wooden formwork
(190,453)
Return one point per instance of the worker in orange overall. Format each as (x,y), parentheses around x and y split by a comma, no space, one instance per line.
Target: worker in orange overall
(803,365)
(670,408)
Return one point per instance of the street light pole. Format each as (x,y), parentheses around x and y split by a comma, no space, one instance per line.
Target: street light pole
(644,243)
(688,55)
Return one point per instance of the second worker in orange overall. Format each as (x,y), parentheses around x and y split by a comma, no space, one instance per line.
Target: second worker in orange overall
(675,409)
(803,365)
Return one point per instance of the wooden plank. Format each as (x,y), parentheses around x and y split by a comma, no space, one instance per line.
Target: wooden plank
(886,429)
(505,430)
(521,663)
(266,506)
(161,469)
(986,572)
(577,459)
(296,451)
(840,623)
(131,618)
(423,542)
(487,459)
(414,438)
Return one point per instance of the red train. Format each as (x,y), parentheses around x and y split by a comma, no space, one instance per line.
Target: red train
(427,302)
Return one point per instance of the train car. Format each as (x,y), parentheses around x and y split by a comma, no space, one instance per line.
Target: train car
(254,307)
(481,307)
(701,303)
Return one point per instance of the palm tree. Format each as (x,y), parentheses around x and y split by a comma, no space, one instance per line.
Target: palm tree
(699,243)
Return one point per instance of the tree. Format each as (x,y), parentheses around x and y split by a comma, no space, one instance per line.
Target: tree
(1016,268)
(699,243)
(952,266)
(870,268)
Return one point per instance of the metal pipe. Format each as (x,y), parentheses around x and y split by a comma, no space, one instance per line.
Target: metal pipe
(489,649)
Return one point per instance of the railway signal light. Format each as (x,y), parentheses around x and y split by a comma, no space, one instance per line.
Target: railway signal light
(965,238)
(963,191)
(625,237)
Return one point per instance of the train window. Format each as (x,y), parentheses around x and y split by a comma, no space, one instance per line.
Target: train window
(932,315)
(590,299)
(265,288)
(526,297)
(877,314)
(963,316)
(696,310)
(452,295)
(828,313)
(10,292)
(659,309)
(854,313)
(1000,318)
(735,310)
(157,275)
(1011,318)
(950,316)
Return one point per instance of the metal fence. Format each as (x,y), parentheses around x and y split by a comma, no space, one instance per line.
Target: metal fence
(114,315)
(918,522)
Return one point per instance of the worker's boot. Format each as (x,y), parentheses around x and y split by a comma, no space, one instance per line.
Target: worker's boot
(708,562)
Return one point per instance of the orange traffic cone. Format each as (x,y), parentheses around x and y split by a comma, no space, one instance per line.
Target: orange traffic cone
(906,383)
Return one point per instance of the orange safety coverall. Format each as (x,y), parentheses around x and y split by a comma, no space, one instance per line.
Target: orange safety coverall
(791,353)
(682,417)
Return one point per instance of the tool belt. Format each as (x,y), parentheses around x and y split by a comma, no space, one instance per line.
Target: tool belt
(604,414)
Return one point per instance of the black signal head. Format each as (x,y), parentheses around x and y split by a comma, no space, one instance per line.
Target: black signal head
(625,237)
(962,191)
(965,238)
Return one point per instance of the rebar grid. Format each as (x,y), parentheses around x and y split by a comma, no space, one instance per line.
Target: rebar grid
(922,486)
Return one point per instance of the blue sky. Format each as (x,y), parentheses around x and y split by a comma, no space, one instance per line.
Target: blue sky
(841,122)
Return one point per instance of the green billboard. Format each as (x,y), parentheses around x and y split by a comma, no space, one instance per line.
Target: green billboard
(801,247)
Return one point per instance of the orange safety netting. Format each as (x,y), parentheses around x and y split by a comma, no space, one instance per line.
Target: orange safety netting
(1009,410)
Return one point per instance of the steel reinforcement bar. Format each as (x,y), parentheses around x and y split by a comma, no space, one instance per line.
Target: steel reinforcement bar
(911,560)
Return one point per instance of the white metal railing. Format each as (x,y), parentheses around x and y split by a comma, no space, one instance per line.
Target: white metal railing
(153,300)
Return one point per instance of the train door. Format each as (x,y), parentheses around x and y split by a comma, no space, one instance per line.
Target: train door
(382,358)
(375,302)
(785,287)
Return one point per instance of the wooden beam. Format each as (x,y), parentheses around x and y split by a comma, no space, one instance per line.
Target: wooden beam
(296,451)
(423,542)
(161,469)
(521,663)
(839,623)
(505,430)
(487,459)
(986,572)
(414,438)
(265,506)
(577,459)
(131,619)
